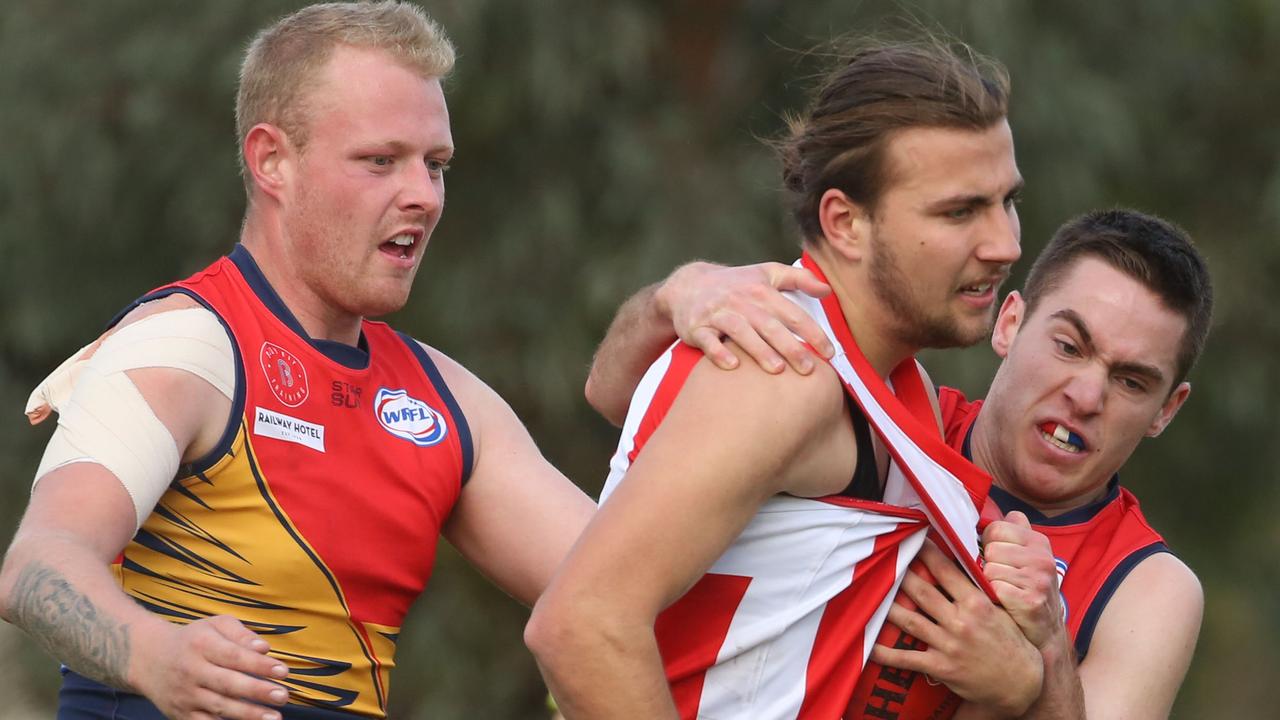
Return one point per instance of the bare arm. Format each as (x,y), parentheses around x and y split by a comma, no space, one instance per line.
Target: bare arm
(56,583)
(1143,643)
(684,500)
(57,586)
(85,624)
(517,516)
(701,304)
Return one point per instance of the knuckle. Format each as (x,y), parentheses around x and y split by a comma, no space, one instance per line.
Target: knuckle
(759,293)
(730,322)
(703,337)
(909,623)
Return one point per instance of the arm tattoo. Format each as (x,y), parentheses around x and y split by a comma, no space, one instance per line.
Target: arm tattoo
(69,626)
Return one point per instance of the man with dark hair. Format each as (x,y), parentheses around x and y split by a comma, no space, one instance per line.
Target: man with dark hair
(754,526)
(1095,356)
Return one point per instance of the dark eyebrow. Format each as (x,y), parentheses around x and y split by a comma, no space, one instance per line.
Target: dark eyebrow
(974,200)
(1073,318)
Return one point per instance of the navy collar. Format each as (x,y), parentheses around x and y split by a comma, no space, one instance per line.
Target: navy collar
(1007,502)
(355,358)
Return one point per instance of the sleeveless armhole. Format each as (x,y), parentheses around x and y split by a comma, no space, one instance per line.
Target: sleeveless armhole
(455,410)
(223,447)
(865,484)
(1094,612)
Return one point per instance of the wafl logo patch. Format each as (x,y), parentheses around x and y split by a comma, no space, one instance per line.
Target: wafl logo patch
(285,374)
(409,418)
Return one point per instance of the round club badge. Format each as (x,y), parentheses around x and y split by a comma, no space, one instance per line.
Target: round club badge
(285,374)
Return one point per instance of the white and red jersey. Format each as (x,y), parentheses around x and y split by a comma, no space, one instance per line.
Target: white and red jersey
(782,623)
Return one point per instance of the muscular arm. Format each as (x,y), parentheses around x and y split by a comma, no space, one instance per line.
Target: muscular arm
(1143,643)
(517,516)
(84,623)
(56,583)
(702,303)
(683,501)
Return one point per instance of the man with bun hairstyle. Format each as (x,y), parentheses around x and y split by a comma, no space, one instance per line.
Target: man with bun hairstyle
(755,526)
(1095,354)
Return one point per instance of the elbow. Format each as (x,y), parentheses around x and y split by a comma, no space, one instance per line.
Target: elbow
(546,635)
(560,633)
(600,400)
(8,571)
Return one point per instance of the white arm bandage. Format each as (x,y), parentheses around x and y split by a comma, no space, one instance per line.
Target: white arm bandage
(102,418)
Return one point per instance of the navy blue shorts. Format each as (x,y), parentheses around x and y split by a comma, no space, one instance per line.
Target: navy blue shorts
(83,699)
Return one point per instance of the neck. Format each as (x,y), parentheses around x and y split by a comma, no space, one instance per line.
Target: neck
(864,312)
(264,238)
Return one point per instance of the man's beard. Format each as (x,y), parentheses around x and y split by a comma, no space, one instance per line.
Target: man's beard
(913,323)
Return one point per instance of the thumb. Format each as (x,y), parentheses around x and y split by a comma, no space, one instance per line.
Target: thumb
(235,631)
(794,278)
(1017,518)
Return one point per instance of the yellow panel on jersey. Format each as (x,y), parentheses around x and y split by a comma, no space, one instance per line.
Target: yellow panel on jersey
(315,522)
(220,545)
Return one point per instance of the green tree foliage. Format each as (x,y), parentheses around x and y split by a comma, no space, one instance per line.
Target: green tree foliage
(599,145)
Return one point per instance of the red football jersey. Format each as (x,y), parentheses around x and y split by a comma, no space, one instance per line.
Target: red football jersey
(315,521)
(1094,546)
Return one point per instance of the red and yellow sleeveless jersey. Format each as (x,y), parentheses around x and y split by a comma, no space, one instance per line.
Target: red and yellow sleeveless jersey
(1094,547)
(782,622)
(315,521)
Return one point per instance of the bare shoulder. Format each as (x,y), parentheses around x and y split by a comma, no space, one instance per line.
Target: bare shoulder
(489,417)
(473,394)
(807,400)
(799,421)
(1144,641)
(1160,597)
(1163,579)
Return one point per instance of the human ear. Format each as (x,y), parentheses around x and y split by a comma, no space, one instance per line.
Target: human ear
(266,155)
(1008,322)
(846,225)
(1170,408)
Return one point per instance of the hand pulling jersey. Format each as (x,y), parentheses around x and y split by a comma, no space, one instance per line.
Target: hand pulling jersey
(315,521)
(1094,546)
(783,621)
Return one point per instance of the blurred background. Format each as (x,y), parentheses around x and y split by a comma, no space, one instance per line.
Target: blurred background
(599,145)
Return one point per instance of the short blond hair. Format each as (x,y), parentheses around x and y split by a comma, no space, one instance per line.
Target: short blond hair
(282,63)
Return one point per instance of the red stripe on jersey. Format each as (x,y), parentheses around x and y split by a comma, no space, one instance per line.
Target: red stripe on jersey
(838,648)
(373,657)
(917,421)
(683,358)
(689,636)
(873,506)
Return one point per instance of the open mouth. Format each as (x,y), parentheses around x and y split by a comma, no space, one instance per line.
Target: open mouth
(401,245)
(1059,436)
(977,290)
